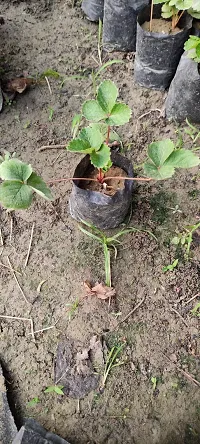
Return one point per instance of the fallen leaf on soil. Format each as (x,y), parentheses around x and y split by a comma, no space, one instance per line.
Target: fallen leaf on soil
(99,290)
(18,85)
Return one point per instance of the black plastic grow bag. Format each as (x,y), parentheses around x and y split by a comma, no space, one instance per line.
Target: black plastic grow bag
(120,24)
(157,54)
(183,98)
(97,208)
(93,9)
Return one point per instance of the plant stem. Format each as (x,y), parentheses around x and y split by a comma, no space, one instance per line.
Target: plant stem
(108,135)
(151,17)
(103,179)
(177,18)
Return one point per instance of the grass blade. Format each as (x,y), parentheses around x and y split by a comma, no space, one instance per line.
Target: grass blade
(107,264)
(93,236)
(106,65)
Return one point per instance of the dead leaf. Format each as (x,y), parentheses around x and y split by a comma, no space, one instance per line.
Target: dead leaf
(18,85)
(100,290)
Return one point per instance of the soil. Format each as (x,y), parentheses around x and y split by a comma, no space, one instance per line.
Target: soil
(112,184)
(161,338)
(161,26)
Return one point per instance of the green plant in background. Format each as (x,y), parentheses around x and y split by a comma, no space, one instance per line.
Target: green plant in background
(20,182)
(193,47)
(176,8)
(184,239)
(72,307)
(55,389)
(154,382)
(194,134)
(108,243)
(165,158)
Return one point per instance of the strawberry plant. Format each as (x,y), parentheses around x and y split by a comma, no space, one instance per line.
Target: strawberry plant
(175,9)
(193,47)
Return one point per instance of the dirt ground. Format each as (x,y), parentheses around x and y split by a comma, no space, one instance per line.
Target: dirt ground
(162,336)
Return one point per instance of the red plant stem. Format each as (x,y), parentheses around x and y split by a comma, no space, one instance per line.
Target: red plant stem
(108,135)
(96,180)
(178,18)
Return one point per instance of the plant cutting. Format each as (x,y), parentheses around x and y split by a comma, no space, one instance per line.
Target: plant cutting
(187,78)
(160,41)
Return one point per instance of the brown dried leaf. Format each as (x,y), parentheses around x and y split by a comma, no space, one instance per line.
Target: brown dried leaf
(88,287)
(18,85)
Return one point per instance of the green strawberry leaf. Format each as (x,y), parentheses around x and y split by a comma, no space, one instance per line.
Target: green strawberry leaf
(100,158)
(15,195)
(158,152)
(120,114)
(93,111)
(80,146)
(182,159)
(93,136)
(39,186)
(158,173)
(107,95)
(14,169)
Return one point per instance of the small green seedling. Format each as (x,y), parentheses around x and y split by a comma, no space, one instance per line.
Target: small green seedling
(170,267)
(76,122)
(72,307)
(154,382)
(196,310)
(112,361)
(193,132)
(55,389)
(51,113)
(33,402)
(193,47)
(109,242)
(185,239)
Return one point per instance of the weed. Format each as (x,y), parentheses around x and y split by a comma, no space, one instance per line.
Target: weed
(112,361)
(162,203)
(170,267)
(55,389)
(154,382)
(51,113)
(184,239)
(196,310)
(27,124)
(33,402)
(72,307)
(108,243)
(193,132)
(76,121)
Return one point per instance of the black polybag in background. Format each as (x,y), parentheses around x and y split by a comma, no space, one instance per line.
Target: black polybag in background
(99,209)
(93,9)
(157,54)
(183,98)
(120,23)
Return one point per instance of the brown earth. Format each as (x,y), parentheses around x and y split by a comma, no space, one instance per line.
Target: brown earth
(161,26)
(158,342)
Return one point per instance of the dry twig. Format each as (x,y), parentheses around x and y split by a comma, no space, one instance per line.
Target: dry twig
(29,248)
(1,238)
(132,311)
(48,84)
(17,282)
(180,317)
(191,299)
(53,147)
(11,269)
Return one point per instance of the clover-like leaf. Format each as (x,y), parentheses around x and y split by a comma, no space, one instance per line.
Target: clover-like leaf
(14,169)
(39,186)
(79,146)
(163,172)
(92,111)
(158,152)
(93,136)
(107,95)
(120,114)
(15,195)
(100,158)
(183,159)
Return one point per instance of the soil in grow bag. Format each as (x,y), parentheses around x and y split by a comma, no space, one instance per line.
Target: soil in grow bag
(103,209)
(93,9)
(183,98)
(158,52)
(120,24)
